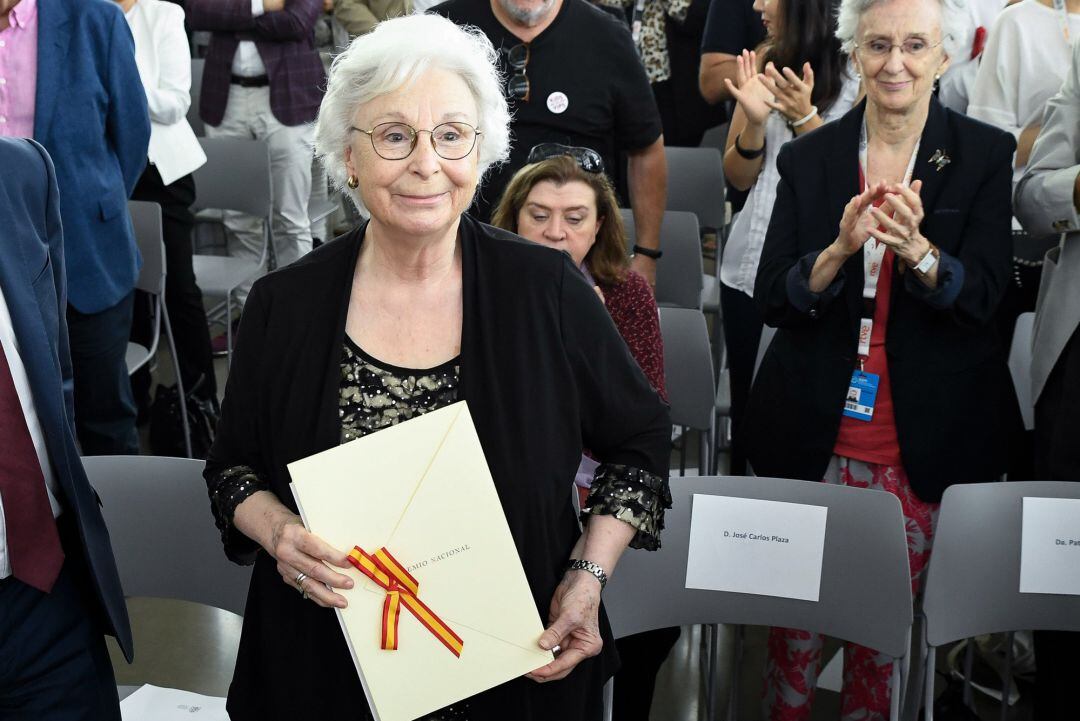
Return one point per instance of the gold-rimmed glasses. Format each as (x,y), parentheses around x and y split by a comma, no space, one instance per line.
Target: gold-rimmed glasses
(396,141)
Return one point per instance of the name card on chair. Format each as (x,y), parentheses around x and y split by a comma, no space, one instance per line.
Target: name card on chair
(747,545)
(1050,546)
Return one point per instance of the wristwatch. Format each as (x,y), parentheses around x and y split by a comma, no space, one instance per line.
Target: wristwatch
(647,252)
(576,564)
(928,261)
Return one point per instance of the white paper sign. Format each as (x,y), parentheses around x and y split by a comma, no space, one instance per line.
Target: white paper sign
(746,545)
(154,703)
(1050,546)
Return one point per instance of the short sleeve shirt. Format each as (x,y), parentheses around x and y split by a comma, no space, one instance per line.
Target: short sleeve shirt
(587,87)
(731,27)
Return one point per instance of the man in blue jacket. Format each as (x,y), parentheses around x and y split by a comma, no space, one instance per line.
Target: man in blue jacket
(59,588)
(76,60)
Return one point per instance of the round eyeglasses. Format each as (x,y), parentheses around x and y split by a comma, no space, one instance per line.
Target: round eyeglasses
(912,47)
(396,141)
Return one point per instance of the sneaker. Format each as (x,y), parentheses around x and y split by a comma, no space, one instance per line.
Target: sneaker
(219,344)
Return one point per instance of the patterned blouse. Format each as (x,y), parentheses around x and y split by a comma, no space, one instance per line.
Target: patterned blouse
(653,39)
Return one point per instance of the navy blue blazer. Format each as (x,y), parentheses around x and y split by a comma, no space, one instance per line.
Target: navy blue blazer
(90,113)
(32,278)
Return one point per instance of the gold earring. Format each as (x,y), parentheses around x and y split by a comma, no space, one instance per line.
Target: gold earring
(353,182)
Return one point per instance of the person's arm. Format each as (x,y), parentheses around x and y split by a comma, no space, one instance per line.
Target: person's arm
(170,99)
(713,70)
(288,19)
(1048,196)
(220,15)
(1025,143)
(127,120)
(994,98)
(647,175)
(355,16)
(747,125)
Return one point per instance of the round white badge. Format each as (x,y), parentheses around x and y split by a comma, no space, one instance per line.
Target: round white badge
(557,102)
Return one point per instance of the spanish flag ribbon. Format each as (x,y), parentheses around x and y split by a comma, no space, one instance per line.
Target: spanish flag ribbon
(401,590)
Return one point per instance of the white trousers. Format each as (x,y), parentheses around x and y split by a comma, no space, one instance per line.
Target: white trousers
(248,115)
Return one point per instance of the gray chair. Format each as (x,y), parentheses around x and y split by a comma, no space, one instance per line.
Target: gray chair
(722,404)
(236,176)
(865,566)
(146,220)
(163,532)
(196,123)
(679,274)
(688,375)
(696,184)
(973,581)
(1020,366)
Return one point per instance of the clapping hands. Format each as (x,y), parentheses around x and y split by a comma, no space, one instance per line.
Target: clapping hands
(753,97)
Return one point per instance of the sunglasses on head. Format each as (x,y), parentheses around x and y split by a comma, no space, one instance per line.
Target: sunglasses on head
(588,159)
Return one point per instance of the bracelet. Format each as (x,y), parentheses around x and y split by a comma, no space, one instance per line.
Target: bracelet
(576,564)
(803,120)
(748,154)
(647,252)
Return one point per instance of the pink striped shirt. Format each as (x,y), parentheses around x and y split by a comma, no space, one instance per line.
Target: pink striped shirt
(18,70)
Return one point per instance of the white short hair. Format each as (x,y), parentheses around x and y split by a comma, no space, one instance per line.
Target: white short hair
(851,11)
(395,54)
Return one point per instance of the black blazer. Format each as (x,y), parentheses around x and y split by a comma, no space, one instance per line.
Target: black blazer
(543,370)
(952,393)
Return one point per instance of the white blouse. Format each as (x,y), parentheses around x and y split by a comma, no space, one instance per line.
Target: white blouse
(742,252)
(1023,66)
(164,61)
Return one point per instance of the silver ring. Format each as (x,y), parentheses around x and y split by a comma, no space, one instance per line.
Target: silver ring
(299,581)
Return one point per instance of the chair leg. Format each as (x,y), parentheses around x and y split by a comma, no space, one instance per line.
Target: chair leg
(609,698)
(228,329)
(736,666)
(1007,677)
(682,452)
(179,381)
(703,452)
(969,662)
(894,697)
(928,684)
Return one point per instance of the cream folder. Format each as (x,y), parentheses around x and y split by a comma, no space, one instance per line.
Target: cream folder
(423,490)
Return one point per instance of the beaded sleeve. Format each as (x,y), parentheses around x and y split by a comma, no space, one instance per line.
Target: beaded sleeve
(634,496)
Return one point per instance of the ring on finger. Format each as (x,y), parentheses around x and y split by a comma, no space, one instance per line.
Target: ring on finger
(299,580)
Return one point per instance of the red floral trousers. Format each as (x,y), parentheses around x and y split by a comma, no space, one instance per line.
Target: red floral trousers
(794,657)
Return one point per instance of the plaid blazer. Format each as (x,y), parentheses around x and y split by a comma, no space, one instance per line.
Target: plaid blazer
(286,43)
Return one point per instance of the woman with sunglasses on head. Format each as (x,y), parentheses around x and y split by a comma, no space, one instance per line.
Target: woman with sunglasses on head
(886,256)
(563,199)
(418,308)
(796,81)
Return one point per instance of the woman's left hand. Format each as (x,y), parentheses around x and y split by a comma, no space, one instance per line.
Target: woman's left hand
(574,626)
(791,94)
(901,231)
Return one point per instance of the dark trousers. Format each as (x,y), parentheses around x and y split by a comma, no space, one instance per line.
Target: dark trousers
(183,299)
(1057,458)
(742,333)
(104,407)
(53,662)
(641,655)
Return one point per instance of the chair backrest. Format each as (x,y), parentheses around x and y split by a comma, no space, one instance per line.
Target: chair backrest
(688,369)
(1020,366)
(236,176)
(196,123)
(146,220)
(973,582)
(162,530)
(695,183)
(679,274)
(865,586)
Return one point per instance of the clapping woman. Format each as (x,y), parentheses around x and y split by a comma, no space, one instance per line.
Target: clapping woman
(798,80)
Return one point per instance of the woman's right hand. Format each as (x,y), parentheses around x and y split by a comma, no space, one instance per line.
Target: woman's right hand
(857,222)
(298,551)
(748,90)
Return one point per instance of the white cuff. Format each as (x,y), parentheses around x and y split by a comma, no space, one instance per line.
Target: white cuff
(257,8)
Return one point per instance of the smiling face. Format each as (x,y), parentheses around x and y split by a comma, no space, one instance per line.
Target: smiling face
(561,216)
(770,16)
(898,81)
(422,194)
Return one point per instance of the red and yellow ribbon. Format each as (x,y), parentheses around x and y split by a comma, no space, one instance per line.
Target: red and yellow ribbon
(401,590)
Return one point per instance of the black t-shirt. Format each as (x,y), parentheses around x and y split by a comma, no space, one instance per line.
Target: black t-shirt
(731,27)
(587,87)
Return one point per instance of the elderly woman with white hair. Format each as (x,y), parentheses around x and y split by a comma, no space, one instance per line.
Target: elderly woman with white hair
(886,256)
(417,308)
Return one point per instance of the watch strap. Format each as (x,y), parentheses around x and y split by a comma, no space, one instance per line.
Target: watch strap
(923,267)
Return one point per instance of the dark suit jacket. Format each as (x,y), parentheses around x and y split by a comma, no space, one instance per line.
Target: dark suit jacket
(90,113)
(32,277)
(286,43)
(952,394)
(543,369)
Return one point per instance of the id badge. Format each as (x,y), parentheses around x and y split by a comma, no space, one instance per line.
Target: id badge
(861,395)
